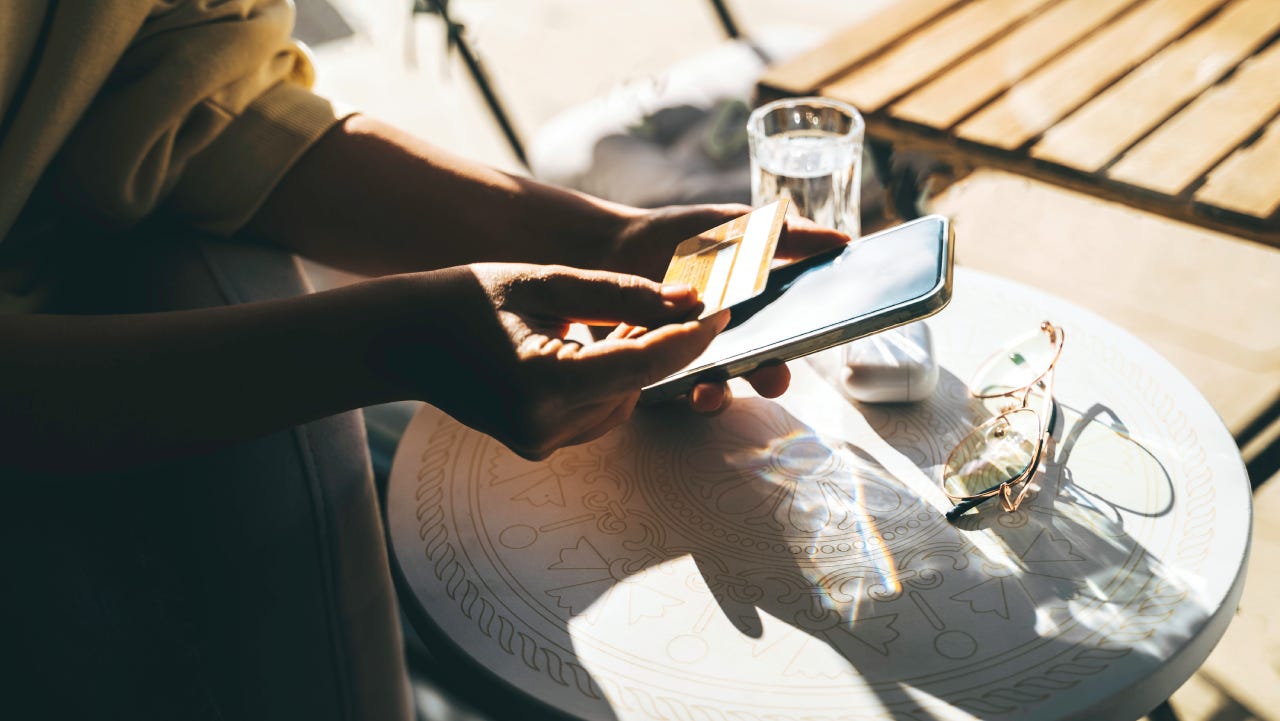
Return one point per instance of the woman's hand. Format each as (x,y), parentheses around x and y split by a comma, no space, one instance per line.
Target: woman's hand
(648,238)
(487,344)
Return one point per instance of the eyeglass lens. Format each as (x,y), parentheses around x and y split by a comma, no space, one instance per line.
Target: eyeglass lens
(1016,367)
(997,451)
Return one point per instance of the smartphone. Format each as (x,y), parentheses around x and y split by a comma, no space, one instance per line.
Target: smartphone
(875,283)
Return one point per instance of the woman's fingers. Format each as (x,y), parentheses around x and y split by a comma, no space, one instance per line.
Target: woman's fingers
(598,297)
(802,238)
(710,397)
(620,365)
(625,331)
(770,381)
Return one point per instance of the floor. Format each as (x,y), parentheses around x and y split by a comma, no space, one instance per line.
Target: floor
(1203,300)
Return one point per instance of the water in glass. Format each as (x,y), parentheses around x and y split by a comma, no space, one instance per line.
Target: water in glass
(818,171)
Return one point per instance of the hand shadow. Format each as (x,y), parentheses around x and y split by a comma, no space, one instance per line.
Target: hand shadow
(1066,550)
(753,560)
(891,597)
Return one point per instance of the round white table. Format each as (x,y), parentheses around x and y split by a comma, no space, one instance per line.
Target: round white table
(789,559)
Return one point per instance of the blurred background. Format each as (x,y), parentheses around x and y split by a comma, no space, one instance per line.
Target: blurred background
(642,101)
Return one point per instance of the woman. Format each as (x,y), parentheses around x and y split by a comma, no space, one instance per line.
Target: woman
(190,528)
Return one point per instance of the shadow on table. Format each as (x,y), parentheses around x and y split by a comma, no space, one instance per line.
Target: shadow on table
(828,571)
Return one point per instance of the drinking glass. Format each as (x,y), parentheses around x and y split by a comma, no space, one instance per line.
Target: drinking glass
(808,150)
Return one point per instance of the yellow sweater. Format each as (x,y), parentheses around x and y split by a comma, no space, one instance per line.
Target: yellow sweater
(117,106)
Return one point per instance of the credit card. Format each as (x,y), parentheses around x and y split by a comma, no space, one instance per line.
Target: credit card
(730,263)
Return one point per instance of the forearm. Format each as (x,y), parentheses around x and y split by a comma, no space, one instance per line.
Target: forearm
(104,392)
(375,200)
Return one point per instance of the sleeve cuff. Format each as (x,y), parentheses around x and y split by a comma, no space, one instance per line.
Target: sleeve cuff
(224,185)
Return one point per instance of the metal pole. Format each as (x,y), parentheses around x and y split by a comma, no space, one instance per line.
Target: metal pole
(457,38)
(726,20)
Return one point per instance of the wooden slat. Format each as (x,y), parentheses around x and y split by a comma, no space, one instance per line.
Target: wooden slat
(1249,181)
(1097,133)
(1053,91)
(926,52)
(963,158)
(1182,150)
(805,73)
(963,89)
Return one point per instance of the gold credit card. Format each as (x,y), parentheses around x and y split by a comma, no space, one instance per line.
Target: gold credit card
(729,263)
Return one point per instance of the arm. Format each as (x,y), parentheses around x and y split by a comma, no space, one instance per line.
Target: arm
(374,200)
(371,199)
(103,392)
(481,342)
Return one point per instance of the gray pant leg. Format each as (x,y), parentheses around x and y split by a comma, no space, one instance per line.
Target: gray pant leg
(247,583)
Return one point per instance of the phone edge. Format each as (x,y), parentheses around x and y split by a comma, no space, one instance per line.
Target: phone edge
(930,303)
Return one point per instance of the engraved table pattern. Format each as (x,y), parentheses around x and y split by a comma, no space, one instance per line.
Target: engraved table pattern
(788,559)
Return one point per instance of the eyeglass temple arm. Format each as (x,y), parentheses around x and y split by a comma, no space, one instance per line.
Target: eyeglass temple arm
(964,506)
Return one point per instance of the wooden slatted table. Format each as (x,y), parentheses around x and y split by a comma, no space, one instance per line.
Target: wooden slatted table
(1172,106)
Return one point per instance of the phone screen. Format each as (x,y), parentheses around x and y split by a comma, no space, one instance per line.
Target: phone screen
(866,277)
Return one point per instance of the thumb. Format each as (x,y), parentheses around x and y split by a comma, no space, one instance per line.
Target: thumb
(598,297)
(626,365)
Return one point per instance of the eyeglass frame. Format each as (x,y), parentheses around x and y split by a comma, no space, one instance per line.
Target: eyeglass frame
(1045,417)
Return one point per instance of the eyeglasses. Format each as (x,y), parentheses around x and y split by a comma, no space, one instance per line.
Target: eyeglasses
(999,457)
